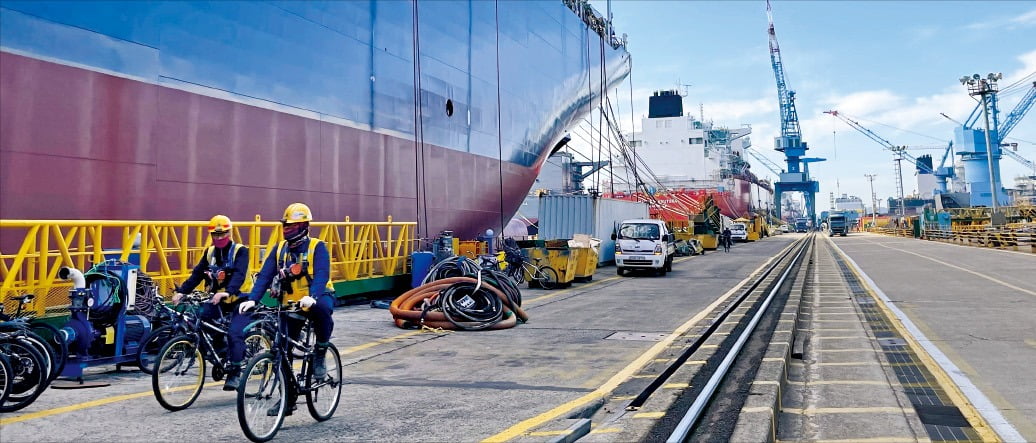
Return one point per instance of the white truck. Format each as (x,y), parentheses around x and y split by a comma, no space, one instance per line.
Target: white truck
(644,244)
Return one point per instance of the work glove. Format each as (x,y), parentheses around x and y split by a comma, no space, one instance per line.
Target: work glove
(245,307)
(176,298)
(219,296)
(307,301)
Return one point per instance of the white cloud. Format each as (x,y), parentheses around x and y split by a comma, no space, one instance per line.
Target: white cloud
(1008,23)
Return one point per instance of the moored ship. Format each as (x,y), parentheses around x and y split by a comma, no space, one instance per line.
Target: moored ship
(439,112)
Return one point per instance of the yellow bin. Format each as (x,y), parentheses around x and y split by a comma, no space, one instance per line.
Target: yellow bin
(586,263)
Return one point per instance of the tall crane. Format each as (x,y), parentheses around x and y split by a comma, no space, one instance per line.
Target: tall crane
(795,179)
(971,139)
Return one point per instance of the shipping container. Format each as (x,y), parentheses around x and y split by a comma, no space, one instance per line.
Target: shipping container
(563,216)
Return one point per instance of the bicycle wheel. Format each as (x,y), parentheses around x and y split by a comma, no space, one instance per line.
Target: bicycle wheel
(28,376)
(257,341)
(149,348)
(547,277)
(261,392)
(516,273)
(322,396)
(52,336)
(5,378)
(179,374)
(46,352)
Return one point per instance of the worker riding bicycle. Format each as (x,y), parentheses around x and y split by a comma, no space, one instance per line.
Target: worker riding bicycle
(298,271)
(223,268)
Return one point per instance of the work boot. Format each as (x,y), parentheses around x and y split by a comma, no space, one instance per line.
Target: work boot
(233,377)
(289,409)
(319,362)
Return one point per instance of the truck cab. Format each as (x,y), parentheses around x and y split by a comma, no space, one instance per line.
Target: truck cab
(738,232)
(644,244)
(837,223)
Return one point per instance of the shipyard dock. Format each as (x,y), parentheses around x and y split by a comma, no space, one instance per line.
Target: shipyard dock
(868,338)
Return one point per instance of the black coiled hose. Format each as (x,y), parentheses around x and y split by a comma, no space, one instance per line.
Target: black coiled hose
(474,303)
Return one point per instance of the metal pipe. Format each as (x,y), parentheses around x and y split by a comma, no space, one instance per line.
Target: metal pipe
(73,274)
(698,407)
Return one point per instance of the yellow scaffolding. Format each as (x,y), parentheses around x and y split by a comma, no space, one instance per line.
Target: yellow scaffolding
(168,250)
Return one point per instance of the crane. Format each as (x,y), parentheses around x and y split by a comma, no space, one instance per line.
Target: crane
(769,164)
(973,145)
(790,141)
(940,173)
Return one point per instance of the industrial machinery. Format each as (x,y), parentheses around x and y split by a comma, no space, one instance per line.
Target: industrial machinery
(790,141)
(109,307)
(981,166)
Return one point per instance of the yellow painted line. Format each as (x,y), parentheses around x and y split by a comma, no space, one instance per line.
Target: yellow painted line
(676,385)
(149,393)
(623,397)
(549,433)
(1030,342)
(624,374)
(644,376)
(708,346)
(758,409)
(649,415)
(661,360)
(694,362)
(871,410)
(374,343)
(977,274)
(553,294)
(606,431)
(90,404)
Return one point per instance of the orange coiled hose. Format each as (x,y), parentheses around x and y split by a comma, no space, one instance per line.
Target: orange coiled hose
(408,308)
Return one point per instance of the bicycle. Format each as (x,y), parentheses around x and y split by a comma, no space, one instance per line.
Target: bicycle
(267,393)
(44,337)
(543,276)
(169,323)
(27,376)
(179,371)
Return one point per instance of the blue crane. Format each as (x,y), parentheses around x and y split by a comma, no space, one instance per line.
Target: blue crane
(795,179)
(971,140)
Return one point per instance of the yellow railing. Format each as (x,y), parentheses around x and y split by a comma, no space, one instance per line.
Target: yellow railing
(1018,237)
(168,250)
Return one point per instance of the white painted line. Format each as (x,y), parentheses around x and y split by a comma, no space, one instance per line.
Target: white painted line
(979,400)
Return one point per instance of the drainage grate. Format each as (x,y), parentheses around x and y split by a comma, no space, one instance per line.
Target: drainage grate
(942,420)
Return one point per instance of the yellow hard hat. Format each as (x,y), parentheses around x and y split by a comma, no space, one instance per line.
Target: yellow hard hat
(219,223)
(297,213)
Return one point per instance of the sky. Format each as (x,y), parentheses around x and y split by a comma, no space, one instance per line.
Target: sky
(891,65)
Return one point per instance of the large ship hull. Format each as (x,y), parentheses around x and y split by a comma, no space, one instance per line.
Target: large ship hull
(180,110)
(741,198)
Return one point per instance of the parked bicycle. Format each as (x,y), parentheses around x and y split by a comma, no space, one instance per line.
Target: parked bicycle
(270,385)
(179,369)
(23,370)
(44,337)
(534,273)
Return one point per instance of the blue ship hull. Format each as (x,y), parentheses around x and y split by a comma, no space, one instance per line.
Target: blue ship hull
(440,112)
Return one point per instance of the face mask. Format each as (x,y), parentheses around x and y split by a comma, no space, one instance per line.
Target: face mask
(221,242)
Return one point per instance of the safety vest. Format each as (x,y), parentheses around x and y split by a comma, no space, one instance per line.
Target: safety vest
(218,281)
(296,286)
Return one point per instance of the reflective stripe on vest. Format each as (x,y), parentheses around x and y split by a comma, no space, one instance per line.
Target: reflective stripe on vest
(210,254)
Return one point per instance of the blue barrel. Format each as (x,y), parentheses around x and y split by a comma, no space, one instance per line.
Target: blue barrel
(420,263)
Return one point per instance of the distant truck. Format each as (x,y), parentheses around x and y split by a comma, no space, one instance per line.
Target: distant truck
(837,223)
(802,224)
(644,244)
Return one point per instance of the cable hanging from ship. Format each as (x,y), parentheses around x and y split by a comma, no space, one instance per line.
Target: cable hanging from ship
(459,294)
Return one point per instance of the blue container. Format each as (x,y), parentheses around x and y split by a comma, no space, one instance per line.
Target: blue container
(420,263)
